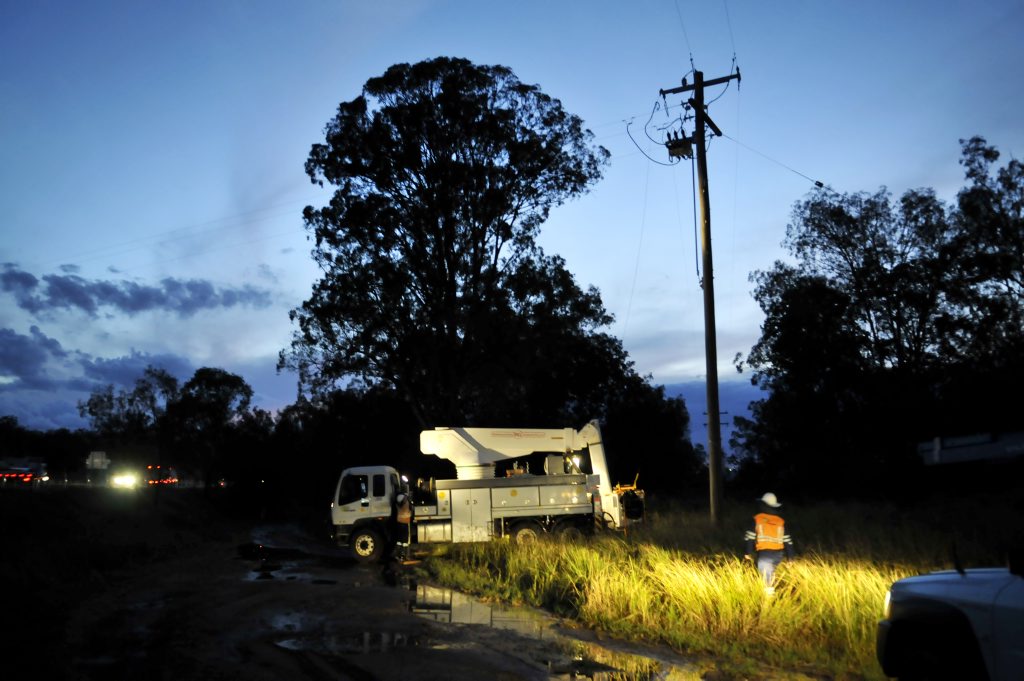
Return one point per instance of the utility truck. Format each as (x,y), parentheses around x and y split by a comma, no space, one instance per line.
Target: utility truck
(374,509)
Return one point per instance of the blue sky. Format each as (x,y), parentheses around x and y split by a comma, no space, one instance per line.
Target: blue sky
(152,159)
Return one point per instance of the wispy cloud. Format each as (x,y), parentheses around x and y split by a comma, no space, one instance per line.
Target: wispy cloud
(125,370)
(26,362)
(38,362)
(69,291)
(41,381)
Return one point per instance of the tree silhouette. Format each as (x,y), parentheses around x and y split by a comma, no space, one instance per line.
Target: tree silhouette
(433,284)
(211,404)
(899,322)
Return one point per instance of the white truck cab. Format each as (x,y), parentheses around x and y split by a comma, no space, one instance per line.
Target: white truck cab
(364,497)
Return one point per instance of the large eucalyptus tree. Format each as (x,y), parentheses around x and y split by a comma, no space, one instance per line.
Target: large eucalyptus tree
(432,280)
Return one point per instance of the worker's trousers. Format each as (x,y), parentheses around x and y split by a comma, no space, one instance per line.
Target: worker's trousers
(767,561)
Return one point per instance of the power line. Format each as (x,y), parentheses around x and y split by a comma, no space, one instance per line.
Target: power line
(639,250)
(728,23)
(207,227)
(641,149)
(686,37)
(696,237)
(817,183)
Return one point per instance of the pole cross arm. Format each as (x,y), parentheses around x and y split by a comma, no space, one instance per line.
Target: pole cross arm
(707,83)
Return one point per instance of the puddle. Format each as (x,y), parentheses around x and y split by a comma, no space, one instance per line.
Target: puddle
(529,634)
(258,551)
(287,573)
(292,621)
(275,563)
(355,644)
(573,658)
(314,633)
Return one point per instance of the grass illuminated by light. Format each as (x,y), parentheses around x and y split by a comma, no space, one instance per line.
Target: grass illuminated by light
(682,583)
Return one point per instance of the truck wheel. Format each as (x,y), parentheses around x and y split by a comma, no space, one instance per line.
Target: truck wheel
(526,533)
(932,654)
(368,545)
(569,533)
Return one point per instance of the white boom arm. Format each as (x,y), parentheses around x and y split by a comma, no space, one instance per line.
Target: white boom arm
(474,451)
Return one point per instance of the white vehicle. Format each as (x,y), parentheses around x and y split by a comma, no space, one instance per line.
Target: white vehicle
(955,624)
(373,509)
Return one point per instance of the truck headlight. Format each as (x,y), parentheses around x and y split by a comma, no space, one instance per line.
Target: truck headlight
(125,480)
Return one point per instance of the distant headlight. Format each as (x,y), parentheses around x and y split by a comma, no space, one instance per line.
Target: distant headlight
(125,480)
(887,605)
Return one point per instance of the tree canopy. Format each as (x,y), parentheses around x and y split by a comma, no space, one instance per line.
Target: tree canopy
(900,321)
(433,283)
(129,414)
(190,425)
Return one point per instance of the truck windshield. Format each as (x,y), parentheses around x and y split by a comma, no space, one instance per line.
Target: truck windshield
(353,488)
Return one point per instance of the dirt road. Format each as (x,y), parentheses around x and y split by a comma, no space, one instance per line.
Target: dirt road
(241,612)
(179,596)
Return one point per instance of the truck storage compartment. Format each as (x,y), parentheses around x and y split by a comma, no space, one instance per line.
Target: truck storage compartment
(515,497)
(434,532)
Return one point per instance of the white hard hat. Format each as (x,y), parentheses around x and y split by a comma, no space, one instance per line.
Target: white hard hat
(771,500)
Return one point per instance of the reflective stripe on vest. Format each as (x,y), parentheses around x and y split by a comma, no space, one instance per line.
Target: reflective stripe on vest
(770,531)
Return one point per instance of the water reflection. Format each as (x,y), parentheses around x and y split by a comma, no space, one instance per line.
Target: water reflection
(572,658)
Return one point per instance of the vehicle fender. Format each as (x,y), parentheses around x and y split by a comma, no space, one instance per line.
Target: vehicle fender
(923,623)
(1008,625)
(381,525)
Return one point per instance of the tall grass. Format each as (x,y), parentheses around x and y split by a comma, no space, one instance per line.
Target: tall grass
(682,582)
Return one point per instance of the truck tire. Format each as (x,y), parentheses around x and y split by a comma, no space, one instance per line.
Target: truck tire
(527,533)
(569,533)
(939,652)
(368,545)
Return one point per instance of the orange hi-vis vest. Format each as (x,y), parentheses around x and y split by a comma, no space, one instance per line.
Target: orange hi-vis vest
(770,532)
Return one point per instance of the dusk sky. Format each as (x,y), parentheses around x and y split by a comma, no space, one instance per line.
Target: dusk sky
(152,159)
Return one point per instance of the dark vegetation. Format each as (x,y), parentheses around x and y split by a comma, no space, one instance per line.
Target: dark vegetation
(900,322)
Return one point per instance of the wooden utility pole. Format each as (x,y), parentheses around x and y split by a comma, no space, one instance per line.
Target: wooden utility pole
(708,279)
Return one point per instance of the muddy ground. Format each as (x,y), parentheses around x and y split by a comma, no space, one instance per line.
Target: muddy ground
(109,586)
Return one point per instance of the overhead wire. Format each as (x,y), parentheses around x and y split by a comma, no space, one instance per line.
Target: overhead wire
(728,22)
(641,149)
(686,37)
(647,125)
(177,234)
(817,183)
(639,251)
(735,187)
(212,249)
(696,239)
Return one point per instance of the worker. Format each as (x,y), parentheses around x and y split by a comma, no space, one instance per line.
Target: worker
(768,541)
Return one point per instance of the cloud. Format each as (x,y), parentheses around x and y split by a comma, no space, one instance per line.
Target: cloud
(125,370)
(38,362)
(43,410)
(69,291)
(26,361)
(41,382)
